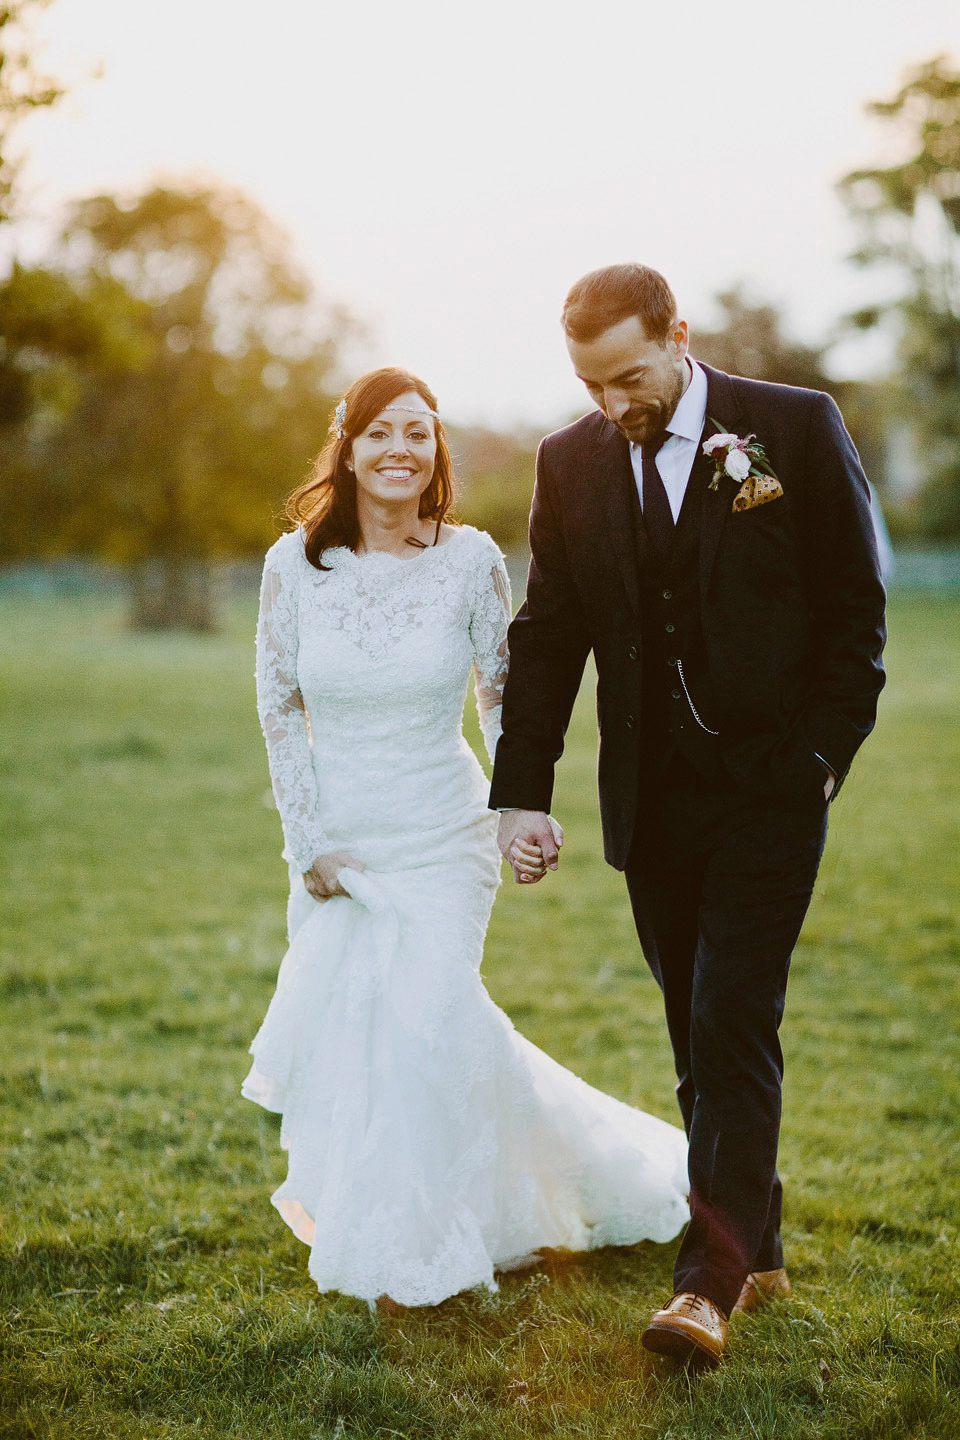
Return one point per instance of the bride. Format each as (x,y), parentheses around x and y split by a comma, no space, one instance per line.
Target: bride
(429,1144)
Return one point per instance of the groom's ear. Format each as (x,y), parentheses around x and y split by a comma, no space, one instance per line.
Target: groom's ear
(679,338)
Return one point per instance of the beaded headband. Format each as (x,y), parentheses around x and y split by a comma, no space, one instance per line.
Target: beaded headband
(340,414)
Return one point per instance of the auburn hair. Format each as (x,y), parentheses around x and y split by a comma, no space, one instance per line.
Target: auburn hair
(606,297)
(326,503)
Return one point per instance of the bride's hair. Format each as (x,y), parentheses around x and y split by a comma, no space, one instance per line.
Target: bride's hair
(326,503)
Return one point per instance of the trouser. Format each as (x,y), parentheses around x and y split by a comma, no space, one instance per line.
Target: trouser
(720,881)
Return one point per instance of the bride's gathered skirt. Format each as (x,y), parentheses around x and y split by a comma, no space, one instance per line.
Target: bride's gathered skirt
(429,1144)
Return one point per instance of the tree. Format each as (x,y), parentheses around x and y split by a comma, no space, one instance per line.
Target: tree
(751,341)
(21,89)
(57,335)
(496,475)
(909,217)
(188,396)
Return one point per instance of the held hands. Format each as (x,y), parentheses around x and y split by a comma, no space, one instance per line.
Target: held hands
(321,879)
(530,840)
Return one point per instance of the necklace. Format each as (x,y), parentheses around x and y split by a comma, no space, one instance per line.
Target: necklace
(413,540)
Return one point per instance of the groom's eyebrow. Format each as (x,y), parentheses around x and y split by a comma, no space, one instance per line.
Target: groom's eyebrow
(624,375)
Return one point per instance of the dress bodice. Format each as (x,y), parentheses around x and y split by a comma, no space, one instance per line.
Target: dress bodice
(361,676)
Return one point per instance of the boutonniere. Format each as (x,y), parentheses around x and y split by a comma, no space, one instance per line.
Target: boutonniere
(745,461)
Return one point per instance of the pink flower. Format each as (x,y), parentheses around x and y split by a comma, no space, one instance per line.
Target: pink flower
(719,442)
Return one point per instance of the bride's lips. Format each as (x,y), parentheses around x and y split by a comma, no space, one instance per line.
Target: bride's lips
(391,472)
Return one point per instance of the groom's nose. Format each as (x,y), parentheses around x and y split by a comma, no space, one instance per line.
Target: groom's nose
(615,404)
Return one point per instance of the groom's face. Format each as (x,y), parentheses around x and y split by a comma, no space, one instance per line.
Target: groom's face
(636,381)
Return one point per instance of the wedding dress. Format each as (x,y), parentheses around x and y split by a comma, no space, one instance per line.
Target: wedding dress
(429,1143)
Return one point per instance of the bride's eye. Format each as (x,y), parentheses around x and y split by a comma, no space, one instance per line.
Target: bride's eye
(419,436)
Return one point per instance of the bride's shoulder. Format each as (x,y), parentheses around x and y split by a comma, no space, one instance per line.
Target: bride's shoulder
(476,545)
(287,552)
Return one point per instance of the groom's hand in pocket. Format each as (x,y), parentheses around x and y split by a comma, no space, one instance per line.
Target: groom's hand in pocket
(531,842)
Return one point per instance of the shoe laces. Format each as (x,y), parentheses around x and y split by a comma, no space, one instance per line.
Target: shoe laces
(704,1310)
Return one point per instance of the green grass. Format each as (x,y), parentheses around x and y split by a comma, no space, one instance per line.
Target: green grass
(148,1288)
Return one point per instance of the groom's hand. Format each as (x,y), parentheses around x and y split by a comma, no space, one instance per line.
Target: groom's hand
(522,835)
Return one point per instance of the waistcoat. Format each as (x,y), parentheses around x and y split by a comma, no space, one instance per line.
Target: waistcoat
(677,688)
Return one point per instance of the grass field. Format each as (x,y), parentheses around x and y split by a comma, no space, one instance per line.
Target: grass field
(148,1288)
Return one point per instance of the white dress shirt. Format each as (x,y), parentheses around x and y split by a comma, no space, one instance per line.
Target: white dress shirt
(678,452)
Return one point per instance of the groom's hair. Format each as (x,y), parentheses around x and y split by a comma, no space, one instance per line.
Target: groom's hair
(606,297)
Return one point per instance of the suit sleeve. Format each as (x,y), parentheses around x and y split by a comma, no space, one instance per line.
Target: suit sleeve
(845,593)
(548,645)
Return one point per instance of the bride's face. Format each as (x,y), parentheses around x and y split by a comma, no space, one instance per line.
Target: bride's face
(393,459)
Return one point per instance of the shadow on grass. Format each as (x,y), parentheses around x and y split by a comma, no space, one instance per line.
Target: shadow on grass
(111,1269)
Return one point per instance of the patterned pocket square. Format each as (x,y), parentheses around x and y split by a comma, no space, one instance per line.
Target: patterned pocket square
(757,490)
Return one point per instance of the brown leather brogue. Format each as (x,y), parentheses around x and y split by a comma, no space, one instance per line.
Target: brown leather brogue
(690,1328)
(759,1288)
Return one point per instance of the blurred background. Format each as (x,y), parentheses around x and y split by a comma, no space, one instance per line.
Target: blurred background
(214,217)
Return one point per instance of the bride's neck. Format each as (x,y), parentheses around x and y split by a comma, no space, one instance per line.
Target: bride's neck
(390,527)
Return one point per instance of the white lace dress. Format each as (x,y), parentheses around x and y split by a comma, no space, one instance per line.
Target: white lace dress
(428,1142)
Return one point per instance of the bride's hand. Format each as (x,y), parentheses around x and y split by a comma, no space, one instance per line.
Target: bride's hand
(321,879)
(527,862)
(530,840)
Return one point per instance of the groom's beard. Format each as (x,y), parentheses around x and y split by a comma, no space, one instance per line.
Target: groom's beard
(650,420)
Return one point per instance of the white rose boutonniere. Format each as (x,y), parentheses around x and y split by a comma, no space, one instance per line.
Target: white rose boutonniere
(745,461)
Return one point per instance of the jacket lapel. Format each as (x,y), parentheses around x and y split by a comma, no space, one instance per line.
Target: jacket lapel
(617,485)
(615,480)
(723,407)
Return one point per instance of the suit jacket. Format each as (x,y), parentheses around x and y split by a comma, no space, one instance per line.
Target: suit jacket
(791,608)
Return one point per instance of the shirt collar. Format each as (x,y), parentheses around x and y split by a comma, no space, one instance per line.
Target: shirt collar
(688,420)
(691,412)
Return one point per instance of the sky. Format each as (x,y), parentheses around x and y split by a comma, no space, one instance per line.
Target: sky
(446,170)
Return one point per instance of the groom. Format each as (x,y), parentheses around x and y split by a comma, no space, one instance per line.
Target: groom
(736,622)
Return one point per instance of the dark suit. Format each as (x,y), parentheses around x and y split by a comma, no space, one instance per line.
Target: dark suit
(720,866)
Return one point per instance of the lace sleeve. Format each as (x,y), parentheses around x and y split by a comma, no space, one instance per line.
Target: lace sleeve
(488,633)
(283,716)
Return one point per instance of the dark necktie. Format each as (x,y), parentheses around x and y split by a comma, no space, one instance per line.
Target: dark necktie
(657,515)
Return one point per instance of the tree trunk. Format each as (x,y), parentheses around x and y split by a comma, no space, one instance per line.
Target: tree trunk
(172,592)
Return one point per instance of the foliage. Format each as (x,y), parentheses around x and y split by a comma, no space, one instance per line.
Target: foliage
(57,335)
(909,215)
(750,341)
(496,475)
(147,1287)
(171,396)
(21,89)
